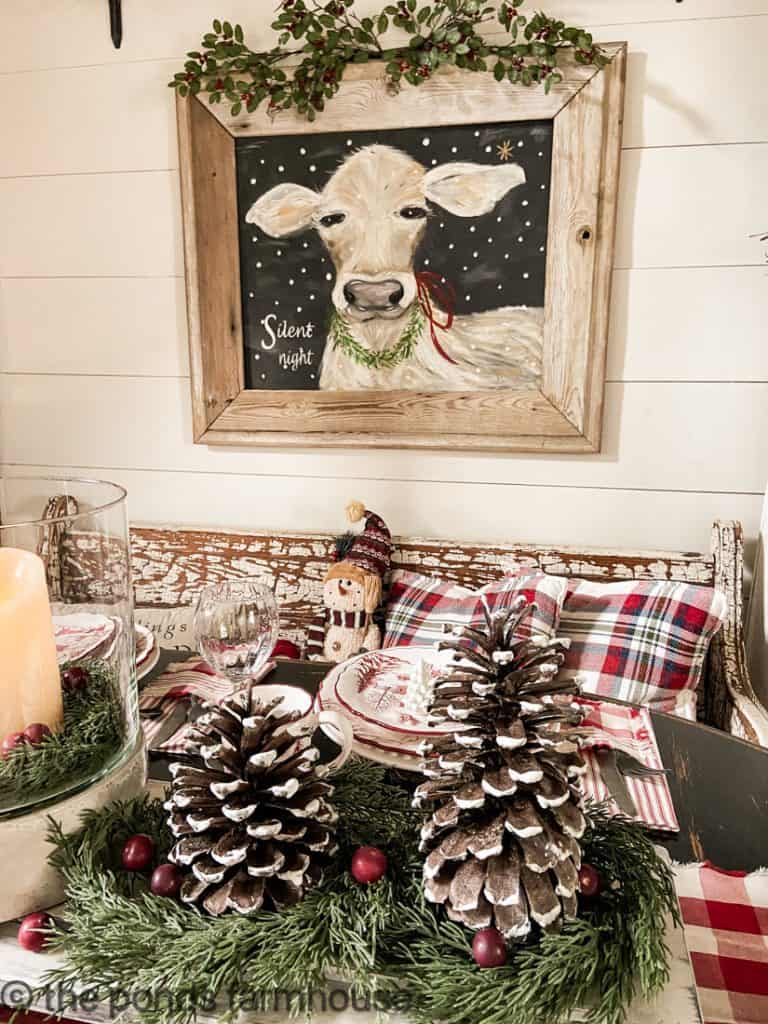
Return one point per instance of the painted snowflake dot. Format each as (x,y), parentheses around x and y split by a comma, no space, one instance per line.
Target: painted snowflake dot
(425,141)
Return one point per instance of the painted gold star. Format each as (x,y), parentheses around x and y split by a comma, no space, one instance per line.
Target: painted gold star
(504,150)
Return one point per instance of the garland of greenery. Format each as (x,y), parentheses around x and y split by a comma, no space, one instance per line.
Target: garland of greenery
(92,731)
(391,946)
(329,36)
(343,339)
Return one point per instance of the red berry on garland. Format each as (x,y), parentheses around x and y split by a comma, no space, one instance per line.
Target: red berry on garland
(36,733)
(166,880)
(138,853)
(11,741)
(30,933)
(590,882)
(489,948)
(369,864)
(74,679)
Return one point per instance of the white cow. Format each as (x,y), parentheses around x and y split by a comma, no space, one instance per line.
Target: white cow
(371,216)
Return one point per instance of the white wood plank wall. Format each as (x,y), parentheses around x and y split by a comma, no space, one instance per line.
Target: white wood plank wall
(92,321)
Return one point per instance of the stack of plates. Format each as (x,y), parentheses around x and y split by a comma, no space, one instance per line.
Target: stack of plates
(370,692)
(84,635)
(147,651)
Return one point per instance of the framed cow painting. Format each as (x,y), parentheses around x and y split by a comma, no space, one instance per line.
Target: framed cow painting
(429,269)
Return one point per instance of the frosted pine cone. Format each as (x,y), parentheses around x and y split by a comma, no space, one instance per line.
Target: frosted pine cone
(502,837)
(250,810)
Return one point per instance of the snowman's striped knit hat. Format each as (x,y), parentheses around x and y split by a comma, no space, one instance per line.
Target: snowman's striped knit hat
(371,551)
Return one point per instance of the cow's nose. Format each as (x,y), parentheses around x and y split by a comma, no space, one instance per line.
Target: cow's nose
(373,295)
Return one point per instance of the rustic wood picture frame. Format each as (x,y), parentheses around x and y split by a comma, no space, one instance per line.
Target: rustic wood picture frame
(564,415)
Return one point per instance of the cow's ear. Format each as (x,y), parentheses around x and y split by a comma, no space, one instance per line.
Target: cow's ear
(470,190)
(285,210)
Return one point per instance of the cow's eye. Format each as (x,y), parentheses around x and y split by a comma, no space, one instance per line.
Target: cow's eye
(413,212)
(331,219)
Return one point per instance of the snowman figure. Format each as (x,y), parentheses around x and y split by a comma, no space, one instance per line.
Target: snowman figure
(352,592)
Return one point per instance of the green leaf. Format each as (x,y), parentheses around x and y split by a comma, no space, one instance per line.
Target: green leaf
(383,24)
(236,108)
(499,71)
(183,90)
(411,4)
(462,48)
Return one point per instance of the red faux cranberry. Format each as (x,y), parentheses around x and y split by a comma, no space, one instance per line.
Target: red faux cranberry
(74,679)
(31,935)
(36,733)
(166,880)
(138,853)
(369,864)
(590,881)
(489,948)
(11,741)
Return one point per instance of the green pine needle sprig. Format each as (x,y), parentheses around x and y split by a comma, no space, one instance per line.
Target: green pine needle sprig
(92,732)
(394,949)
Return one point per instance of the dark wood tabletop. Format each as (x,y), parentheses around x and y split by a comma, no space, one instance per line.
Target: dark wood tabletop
(719,784)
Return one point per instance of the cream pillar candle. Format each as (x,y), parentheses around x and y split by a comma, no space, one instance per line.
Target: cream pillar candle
(30,686)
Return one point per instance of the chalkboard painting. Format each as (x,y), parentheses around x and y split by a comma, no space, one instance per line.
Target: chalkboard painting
(406,259)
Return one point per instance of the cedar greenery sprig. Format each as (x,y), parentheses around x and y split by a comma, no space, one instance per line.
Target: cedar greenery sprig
(397,952)
(92,731)
(319,39)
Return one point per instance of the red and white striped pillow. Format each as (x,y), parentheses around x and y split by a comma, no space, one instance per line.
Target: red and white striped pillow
(419,606)
(643,641)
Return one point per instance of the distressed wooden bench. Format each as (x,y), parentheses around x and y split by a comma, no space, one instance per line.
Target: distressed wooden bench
(171,565)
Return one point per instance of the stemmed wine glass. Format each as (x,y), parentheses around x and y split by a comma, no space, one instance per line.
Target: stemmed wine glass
(236,625)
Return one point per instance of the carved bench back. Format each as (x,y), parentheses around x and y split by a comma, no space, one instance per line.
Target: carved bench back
(171,565)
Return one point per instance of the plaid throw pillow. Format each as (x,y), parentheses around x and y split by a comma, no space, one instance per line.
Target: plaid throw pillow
(643,641)
(418,606)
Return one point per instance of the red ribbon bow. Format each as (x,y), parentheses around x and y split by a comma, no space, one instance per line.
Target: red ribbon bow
(429,287)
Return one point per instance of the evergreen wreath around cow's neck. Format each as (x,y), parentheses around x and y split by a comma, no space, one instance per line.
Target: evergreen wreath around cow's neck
(317,41)
(342,338)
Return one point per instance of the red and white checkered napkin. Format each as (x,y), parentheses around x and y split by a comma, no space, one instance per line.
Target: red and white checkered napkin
(183,679)
(725,917)
(628,729)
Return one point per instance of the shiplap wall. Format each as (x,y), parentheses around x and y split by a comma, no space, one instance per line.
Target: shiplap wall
(92,321)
